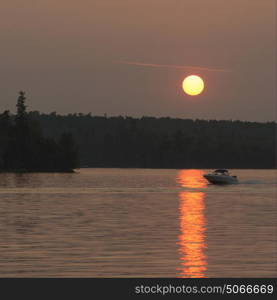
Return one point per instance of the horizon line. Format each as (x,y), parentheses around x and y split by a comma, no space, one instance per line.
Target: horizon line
(107,116)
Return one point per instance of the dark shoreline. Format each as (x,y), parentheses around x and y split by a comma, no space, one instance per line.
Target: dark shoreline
(172,168)
(150,142)
(36,171)
(113,167)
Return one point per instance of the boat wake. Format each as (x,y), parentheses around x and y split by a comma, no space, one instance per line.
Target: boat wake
(256,182)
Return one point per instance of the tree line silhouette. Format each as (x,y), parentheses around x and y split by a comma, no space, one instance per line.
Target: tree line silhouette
(36,141)
(150,142)
(23,147)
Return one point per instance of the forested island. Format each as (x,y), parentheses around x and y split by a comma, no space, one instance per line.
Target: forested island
(24,148)
(48,142)
(150,142)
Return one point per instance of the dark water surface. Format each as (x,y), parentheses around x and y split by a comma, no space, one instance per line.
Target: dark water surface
(138,223)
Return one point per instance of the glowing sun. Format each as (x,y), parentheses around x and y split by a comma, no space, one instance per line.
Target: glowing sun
(193,85)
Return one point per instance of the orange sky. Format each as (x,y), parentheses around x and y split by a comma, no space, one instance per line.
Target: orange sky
(62,53)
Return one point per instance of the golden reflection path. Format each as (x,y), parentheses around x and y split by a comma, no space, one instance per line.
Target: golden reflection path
(192,225)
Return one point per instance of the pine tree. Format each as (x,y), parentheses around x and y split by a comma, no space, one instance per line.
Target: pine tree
(21,114)
(23,148)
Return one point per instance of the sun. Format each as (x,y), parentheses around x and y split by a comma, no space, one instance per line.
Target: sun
(193,85)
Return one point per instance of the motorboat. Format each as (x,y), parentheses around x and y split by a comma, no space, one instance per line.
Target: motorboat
(221,176)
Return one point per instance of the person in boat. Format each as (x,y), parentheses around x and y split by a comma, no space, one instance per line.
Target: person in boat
(222,171)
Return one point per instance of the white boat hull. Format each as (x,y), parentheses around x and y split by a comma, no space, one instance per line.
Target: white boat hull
(221,179)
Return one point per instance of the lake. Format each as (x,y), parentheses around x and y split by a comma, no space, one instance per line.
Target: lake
(137,223)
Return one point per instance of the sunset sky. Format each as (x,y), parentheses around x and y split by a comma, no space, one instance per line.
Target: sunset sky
(125,57)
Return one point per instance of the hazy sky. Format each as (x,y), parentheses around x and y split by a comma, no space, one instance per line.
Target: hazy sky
(65,55)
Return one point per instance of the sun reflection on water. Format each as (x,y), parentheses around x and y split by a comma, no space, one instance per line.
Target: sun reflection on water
(192,225)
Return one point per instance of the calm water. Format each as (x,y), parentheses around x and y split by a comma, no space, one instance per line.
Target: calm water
(138,223)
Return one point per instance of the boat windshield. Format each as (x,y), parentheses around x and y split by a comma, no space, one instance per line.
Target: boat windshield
(221,171)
